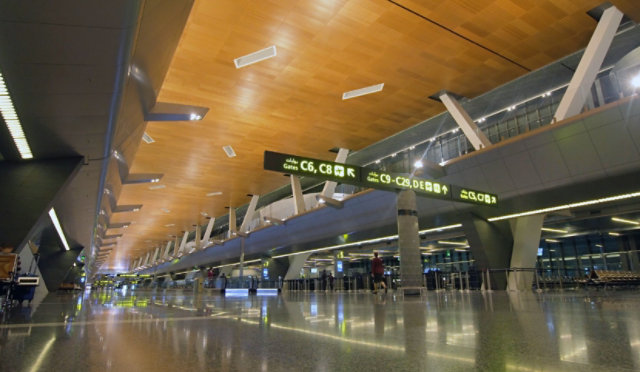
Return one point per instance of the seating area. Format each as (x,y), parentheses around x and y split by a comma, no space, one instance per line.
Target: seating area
(608,277)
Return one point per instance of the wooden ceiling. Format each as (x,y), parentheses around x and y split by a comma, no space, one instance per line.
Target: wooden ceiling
(292,103)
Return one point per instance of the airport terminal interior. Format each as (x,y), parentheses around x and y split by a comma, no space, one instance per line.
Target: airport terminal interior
(320,185)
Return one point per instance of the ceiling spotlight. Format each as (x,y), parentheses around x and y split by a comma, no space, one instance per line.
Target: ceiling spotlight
(195,117)
(418,164)
(378,161)
(214,193)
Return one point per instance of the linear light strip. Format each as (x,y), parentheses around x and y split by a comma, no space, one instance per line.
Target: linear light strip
(567,206)
(56,223)
(554,230)
(12,121)
(631,222)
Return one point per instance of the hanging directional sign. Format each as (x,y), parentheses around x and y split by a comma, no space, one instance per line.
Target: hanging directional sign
(373,178)
(392,181)
(302,166)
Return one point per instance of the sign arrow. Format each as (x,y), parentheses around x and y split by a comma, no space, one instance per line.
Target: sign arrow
(444,189)
(351,172)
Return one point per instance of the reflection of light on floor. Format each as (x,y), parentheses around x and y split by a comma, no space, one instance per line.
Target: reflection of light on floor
(450,357)
(516,367)
(45,349)
(328,336)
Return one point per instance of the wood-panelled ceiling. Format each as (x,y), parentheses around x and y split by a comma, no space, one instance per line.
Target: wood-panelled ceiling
(292,103)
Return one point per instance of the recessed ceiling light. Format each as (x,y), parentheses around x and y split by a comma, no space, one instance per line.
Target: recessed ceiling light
(169,225)
(552,241)
(204,214)
(362,91)
(147,138)
(195,117)
(12,121)
(255,57)
(229,151)
(418,164)
(214,193)
(157,187)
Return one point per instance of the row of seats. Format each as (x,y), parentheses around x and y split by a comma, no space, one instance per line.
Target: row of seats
(614,277)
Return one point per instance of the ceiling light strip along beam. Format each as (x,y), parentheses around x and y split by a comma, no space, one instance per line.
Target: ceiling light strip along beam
(362,91)
(56,224)
(12,121)
(256,57)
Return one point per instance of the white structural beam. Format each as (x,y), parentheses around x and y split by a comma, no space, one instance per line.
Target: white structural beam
(136,263)
(146,259)
(198,237)
(469,128)
(176,247)
(330,186)
(207,232)
(155,256)
(580,86)
(251,211)
(526,233)
(165,256)
(232,221)
(298,198)
(183,243)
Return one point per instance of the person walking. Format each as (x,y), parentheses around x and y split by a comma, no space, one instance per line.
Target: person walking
(377,271)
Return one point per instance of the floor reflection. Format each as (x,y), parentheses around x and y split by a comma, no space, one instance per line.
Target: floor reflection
(114,330)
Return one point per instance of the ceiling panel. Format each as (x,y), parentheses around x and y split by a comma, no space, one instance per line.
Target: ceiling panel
(292,103)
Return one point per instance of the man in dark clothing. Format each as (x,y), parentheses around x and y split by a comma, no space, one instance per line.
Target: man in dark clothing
(377,271)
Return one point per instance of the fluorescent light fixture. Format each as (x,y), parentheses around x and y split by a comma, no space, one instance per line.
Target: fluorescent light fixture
(362,91)
(599,245)
(418,164)
(460,250)
(630,222)
(216,193)
(439,229)
(255,57)
(567,206)
(170,225)
(452,243)
(552,241)
(147,138)
(614,233)
(229,151)
(12,121)
(56,223)
(554,230)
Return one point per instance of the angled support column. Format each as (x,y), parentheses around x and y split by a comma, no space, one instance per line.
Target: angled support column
(251,210)
(165,256)
(176,247)
(580,86)
(526,233)
(232,222)
(491,244)
(469,128)
(183,243)
(198,237)
(156,253)
(298,198)
(296,263)
(330,186)
(146,259)
(207,231)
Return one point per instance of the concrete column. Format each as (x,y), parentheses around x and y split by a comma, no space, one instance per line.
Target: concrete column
(469,128)
(183,243)
(296,263)
(526,240)
(197,238)
(491,244)
(248,216)
(207,232)
(580,86)
(298,198)
(409,240)
(232,221)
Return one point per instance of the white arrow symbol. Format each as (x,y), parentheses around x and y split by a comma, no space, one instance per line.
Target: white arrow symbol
(351,172)
(444,189)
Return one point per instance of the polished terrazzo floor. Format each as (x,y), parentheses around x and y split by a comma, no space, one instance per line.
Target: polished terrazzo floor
(446,331)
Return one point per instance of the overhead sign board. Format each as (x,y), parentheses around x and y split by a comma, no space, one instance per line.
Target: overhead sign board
(311,167)
(373,178)
(392,181)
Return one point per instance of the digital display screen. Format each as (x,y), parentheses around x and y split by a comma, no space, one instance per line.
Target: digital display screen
(339,266)
(265,273)
(314,270)
(539,251)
